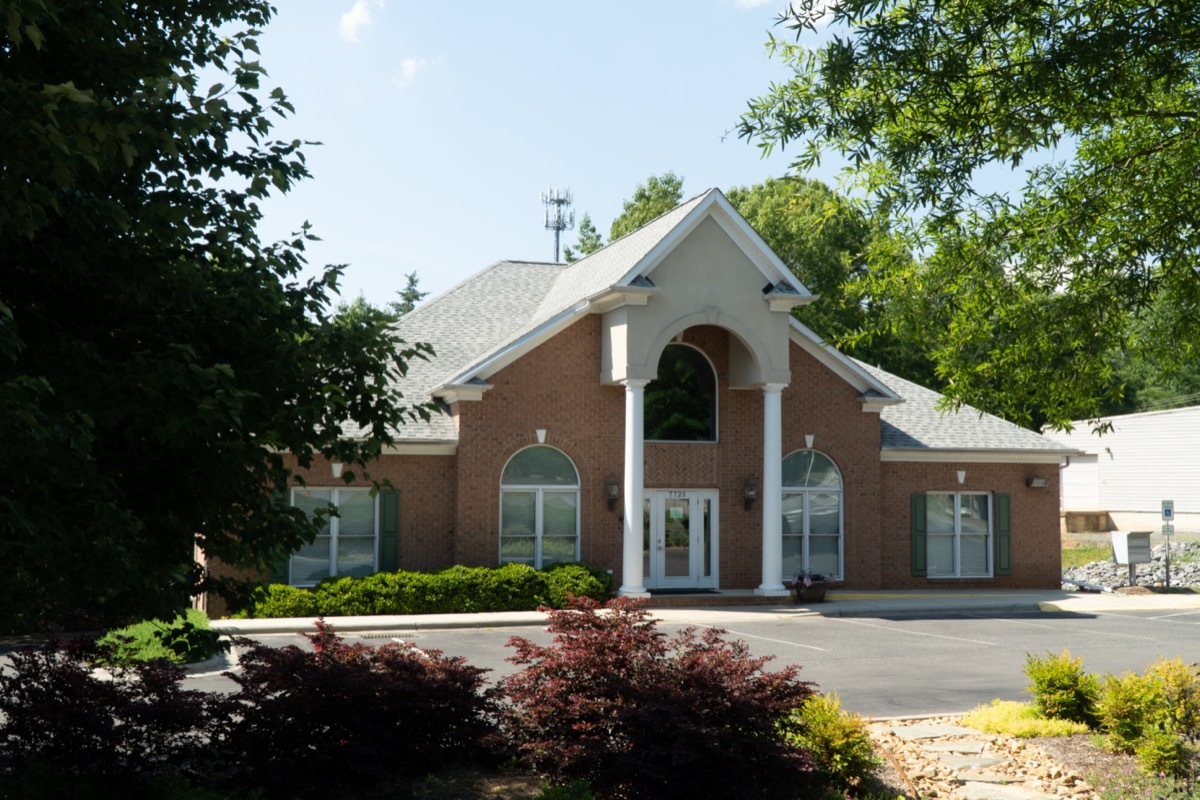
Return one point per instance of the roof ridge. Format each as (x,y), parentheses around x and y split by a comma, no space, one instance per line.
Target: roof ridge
(645,225)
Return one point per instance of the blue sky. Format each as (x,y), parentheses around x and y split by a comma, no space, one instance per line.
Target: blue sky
(441,123)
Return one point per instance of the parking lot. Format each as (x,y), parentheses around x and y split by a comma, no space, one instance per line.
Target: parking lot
(883,666)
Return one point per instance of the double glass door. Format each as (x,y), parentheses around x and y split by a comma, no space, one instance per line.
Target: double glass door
(679,539)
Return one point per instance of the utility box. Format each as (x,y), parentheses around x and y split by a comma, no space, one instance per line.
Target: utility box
(1131,547)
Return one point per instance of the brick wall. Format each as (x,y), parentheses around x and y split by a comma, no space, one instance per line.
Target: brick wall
(427,487)
(820,403)
(450,505)
(556,387)
(1036,546)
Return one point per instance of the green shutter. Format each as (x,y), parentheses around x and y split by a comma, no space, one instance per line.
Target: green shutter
(389,530)
(278,572)
(1003,535)
(919,560)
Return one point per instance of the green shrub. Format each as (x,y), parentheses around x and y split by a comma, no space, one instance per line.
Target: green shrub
(1179,684)
(1018,719)
(1163,752)
(186,639)
(454,590)
(838,741)
(346,597)
(1061,689)
(281,600)
(1149,715)
(1124,709)
(572,579)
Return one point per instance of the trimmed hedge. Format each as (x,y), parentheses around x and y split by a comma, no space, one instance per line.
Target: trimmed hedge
(454,590)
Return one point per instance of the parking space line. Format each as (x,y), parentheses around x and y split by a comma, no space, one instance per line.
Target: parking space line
(1010,621)
(764,638)
(1052,627)
(1180,614)
(912,633)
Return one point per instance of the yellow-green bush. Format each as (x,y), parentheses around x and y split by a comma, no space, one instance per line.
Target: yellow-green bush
(1022,720)
(1061,689)
(837,740)
(1150,715)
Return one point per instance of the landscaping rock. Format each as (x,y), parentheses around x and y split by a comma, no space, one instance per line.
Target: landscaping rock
(1114,576)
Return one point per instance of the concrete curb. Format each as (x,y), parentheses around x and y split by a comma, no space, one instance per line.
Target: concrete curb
(885,605)
(413,622)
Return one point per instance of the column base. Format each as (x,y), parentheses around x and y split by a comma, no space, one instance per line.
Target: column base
(638,592)
(772,591)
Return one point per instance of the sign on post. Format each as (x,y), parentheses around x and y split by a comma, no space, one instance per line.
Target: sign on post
(1168,528)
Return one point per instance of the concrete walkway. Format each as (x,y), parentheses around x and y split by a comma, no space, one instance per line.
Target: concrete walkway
(884,604)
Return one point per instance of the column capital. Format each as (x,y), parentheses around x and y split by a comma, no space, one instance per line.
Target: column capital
(634,383)
(773,388)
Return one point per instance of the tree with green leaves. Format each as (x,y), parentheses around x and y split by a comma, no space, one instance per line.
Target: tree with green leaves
(409,296)
(658,195)
(1091,106)
(826,242)
(157,360)
(589,241)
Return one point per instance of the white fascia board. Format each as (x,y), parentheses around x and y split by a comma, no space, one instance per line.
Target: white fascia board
(438,447)
(973,456)
(615,297)
(431,447)
(841,365)
(458,392)
(786,302)
(875,405)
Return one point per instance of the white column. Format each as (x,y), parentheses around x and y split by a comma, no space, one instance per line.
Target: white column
(772,493)
(632,579)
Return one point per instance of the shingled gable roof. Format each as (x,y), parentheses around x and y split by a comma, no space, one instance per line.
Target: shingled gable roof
(623,265)
(918,427)
(492,318)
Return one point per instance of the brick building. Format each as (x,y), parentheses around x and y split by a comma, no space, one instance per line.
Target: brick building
(655,409)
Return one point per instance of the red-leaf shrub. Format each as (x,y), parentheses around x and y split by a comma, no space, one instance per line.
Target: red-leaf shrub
(616,703)
(340,717)
(56,714)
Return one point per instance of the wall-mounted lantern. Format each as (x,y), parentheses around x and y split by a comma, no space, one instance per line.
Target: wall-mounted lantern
(612,492)
(749,492)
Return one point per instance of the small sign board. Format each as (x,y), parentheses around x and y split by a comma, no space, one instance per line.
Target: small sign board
(1168,510)
(1168,529)
(1131,547)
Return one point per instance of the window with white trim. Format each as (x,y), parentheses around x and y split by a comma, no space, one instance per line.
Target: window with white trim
(539,508)
(812,515)
(958,529)
(681,402)
(346,545)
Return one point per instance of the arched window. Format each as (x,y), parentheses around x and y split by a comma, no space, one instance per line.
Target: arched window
(681,403)
(539,508)
(812,515)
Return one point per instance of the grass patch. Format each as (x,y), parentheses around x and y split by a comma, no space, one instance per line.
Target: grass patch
(1085,554)
(184,640)
(1018,719)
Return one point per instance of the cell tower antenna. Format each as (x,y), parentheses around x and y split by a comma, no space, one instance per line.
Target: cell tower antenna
(558,219)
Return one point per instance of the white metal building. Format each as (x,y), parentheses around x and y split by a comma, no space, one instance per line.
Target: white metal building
(1124,474)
